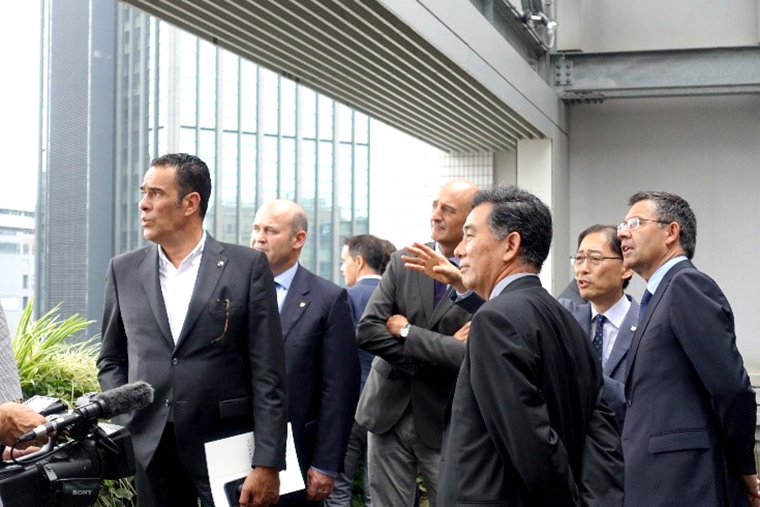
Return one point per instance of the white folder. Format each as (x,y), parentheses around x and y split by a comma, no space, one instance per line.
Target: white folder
(230,458)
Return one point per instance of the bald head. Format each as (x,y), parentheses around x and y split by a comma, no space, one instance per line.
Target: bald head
(450,209)
(279,231)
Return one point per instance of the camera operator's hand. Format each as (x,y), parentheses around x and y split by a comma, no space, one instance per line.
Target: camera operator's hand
(15,420)
(17,453)
(261,488)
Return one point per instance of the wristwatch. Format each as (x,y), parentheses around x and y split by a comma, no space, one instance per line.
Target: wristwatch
(405,331)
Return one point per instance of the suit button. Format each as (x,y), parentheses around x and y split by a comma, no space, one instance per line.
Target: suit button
(629,403)
(168,403)
(175,361)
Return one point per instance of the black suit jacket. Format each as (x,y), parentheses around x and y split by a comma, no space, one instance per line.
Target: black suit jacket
(322,369)
(421,369)
(689,432)
(528,392)
(217,383)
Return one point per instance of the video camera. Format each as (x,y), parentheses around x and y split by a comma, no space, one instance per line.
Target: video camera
(70,474)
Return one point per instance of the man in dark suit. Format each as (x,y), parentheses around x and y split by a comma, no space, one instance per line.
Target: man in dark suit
(610,316)
(364,260)
(196,319)
(530,385)
(320,350)
(689,434)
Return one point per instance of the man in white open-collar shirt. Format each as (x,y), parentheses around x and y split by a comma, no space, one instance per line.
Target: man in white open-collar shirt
(197,319)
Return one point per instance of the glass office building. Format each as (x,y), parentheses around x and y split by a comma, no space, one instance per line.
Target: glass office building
(262,135)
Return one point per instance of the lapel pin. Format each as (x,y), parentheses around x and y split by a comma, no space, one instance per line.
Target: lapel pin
(220,264)
(302,305)
(633,328)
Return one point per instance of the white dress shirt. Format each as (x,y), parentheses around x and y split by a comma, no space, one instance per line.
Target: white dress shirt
(177,284)
(615,316)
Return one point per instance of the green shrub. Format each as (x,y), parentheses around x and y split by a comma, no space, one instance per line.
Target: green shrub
(51,363)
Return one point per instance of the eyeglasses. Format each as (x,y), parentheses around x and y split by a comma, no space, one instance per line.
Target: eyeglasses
(226,320)
(634,223)
(593,260)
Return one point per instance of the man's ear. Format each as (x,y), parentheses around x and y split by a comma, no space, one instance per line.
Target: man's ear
(191,202)
(673,234)
(627,273)
(360,262)
(512,244)
(299,239)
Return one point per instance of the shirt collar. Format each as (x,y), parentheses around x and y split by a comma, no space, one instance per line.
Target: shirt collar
(454,259)
(191,258)
(285,278)
(369,277)
(657,276)
(502,284)
(616,313)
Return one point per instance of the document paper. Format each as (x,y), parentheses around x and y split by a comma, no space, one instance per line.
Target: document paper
(230,458)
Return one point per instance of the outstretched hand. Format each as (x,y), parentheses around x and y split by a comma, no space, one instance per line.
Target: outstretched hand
(426,260)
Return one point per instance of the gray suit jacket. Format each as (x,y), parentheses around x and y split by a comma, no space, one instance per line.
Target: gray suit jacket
(614,370)
(420,370)
(690,426)
(227,370)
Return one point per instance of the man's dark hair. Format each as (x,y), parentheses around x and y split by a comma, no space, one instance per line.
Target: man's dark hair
(192,176)
(515,210)
(672,208)
(372,249)
(389,249)
(610,232)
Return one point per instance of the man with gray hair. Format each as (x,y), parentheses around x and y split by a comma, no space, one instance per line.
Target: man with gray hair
(689,435)
(418,335)
(530,386)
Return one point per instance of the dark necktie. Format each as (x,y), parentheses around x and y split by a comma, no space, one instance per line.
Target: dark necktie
(644,302)
(439,290)
(598,341)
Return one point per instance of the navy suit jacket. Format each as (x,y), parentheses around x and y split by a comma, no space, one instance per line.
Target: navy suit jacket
(322,369)
(358,297)
(690,426)
(614,370)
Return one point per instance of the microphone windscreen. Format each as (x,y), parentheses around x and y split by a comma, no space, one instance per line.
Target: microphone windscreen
(125,399)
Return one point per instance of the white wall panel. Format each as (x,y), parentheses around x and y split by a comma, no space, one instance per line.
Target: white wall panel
(705,149)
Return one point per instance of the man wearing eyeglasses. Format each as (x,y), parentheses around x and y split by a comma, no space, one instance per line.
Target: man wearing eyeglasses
(689,434)
(610,316)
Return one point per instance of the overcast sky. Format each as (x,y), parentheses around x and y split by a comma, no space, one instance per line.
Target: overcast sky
(20,106)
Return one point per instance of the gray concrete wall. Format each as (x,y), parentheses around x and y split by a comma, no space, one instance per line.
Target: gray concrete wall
(604,25)
(704,149)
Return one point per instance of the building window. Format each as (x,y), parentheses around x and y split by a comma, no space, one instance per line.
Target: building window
(262,135)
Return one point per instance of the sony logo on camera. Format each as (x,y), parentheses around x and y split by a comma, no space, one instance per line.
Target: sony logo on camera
(82,492)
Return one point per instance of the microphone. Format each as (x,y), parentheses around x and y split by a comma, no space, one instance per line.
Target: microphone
(105,405)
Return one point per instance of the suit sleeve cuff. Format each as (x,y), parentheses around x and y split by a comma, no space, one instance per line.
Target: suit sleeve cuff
(328,473)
